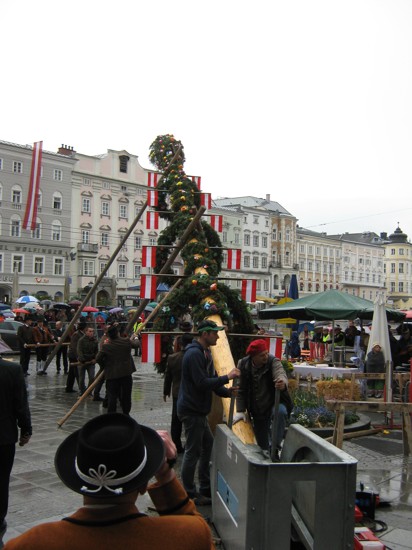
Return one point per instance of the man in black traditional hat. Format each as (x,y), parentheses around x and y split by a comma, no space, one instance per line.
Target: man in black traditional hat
(110,462)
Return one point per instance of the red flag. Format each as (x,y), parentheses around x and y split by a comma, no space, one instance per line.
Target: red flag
(30,215)
(206,200)
(148,284)
(275,347)
(249,290)
(151,347)
(152,198)
(217,223)
(152,220)
(152,178)
(197,180)
(148,256)
(233,258)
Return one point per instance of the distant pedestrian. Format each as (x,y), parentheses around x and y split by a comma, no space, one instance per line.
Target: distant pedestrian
(87,349)
(171,385)
(62,353)
(375,363)
(14,415)
(73,357)
(25,338)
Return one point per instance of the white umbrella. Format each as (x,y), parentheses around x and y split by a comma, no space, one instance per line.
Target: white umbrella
(26,299)
(379,333)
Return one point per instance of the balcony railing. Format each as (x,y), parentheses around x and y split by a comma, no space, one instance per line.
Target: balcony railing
(87,247)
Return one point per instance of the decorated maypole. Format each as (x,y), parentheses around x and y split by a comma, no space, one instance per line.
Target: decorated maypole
(177,199)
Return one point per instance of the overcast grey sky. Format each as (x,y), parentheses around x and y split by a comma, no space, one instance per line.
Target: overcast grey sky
(308,100)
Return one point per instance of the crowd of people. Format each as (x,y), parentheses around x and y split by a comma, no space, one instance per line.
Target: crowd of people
(97,462)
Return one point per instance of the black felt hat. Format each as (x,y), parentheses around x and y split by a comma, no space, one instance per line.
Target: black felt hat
(111,455)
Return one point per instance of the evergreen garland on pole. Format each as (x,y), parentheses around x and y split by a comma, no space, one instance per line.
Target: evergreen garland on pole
(200,294)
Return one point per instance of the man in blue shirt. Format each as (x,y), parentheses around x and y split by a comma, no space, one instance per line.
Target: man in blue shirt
(199,379)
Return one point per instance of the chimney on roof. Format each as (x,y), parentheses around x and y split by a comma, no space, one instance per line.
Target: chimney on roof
(268,197)
(384,236)
(66,150)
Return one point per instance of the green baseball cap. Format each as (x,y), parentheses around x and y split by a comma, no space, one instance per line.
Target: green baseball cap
(206,326)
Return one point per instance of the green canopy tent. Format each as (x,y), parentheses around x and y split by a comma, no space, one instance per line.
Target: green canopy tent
(327,306)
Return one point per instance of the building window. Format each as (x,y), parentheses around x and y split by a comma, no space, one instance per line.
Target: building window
(237,238)
(58,175)
(86,205)
(265,285)
(392,268)
(121,271)
(310,250)
(104,239)
(106,185)
(246,261)
(136,271)
(255,219)
(58,266)
(17,264)
(38,262)
(247,240)
(264,262)
(16,196)
(392,252)
(287,257)
(86,181)
(105,208)
(255,240)
(401,252)
(57,201)
(1,164)
(56,231)
(123,211)
(274,234)
(401,268)
(224,236)
(39,199)
(36,233)
(152,241)
(401,286)
(88,268)
(392,287)
(123,160)
(17,167)
(302,248)
(309,266)
(255,261)
(137,243)
(264,242)
(15,227)
(85,236)
(288,235)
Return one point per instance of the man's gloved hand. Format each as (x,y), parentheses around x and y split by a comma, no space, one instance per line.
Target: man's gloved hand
(239,416)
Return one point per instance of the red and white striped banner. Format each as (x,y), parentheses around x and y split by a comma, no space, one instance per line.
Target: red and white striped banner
(196,180)
(152,198)
(206,200)
(233,258)
(148,256)
(152,178)
(148,285)
(152,220)
(275,347)
(151,347)
(30,214)
(249,290)
(217,223)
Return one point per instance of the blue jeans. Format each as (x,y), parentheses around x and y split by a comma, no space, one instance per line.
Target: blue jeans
(198,448)
(262,428)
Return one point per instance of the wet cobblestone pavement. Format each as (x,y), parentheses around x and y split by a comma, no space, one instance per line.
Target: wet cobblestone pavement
(37,495)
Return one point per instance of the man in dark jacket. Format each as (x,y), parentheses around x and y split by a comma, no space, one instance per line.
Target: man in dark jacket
(87,349)
(25,337)
(62,353)
(116,359)
(171,384)
(14,414)
(199,379)
(261,375)
(73,357)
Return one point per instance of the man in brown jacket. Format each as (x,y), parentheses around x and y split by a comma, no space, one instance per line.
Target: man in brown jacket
(116,359)
(110,462)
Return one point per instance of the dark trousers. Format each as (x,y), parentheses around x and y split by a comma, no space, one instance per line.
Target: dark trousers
(62,354)
(176,427)
(41,354)
(6,463)
(198,449)
(72,376)
(25,359)
(262,428)
(119,388)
